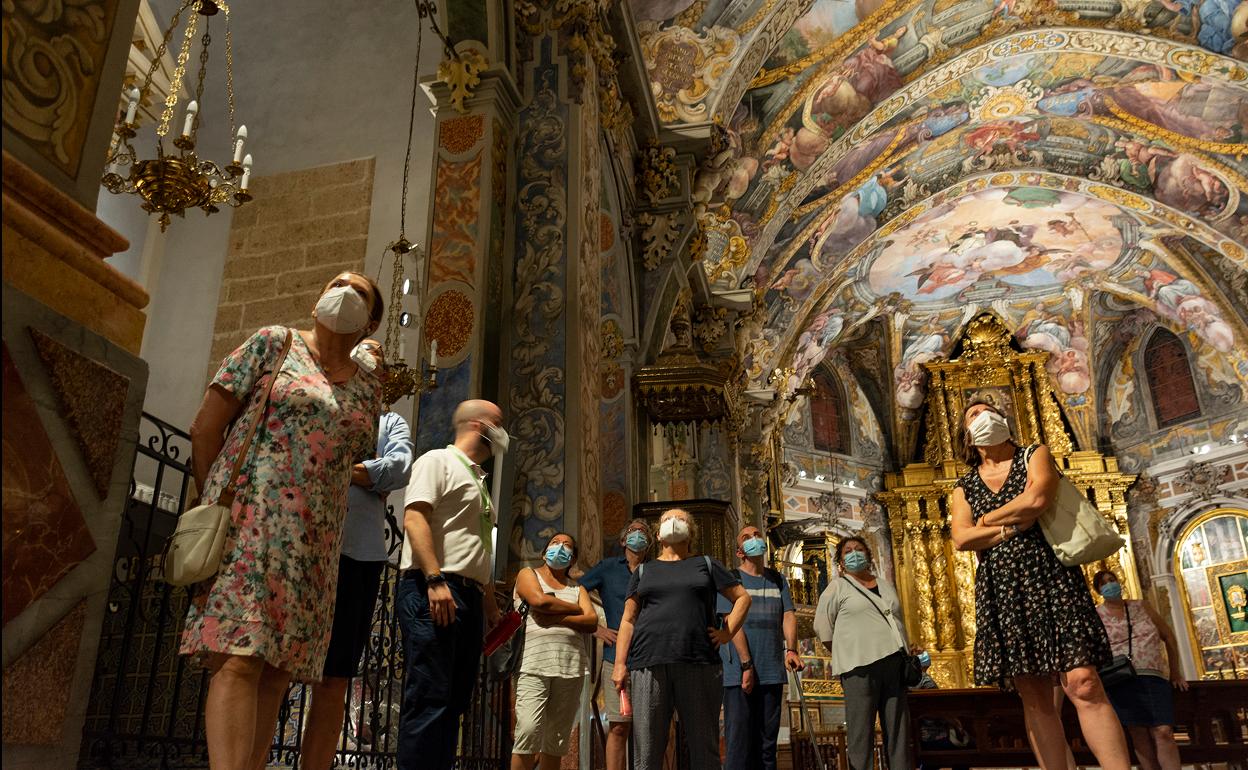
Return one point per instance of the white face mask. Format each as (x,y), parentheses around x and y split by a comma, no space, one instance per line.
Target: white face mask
(989,429)
(497,439)
(674,530)
(365,358)
(342,310)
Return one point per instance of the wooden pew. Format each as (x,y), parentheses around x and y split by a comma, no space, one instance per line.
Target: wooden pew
(1211,726)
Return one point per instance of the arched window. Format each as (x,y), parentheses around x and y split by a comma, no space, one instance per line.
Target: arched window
(1213,585)
(1170,380)
(827,414)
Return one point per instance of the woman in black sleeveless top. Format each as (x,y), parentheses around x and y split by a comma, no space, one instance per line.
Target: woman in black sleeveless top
(1036,625)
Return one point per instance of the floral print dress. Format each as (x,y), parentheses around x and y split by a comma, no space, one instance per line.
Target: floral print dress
(273,597)
(1033,616)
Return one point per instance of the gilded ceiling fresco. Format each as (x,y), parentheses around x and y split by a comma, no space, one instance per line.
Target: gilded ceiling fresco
(900,166)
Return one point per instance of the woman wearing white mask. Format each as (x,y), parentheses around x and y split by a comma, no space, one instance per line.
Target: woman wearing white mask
(262,619)
(555,660)
(1036,627)
(666,652)
(1144,702)
(859,620)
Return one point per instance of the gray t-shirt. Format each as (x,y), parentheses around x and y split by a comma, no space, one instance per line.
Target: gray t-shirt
(677,606)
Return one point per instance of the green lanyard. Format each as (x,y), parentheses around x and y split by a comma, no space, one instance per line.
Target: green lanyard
(487,521)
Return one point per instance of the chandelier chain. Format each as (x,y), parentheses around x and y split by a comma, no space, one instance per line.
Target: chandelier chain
(229,64)
(205,41)
(411,120)
(396,297)
(163,47)
(175,84)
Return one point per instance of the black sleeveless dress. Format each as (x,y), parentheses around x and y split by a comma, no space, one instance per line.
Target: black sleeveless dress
(1032,615)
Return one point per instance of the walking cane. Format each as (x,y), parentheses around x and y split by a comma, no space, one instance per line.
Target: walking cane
(805,724)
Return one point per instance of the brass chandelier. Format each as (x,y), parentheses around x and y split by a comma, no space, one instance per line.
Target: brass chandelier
(172,182)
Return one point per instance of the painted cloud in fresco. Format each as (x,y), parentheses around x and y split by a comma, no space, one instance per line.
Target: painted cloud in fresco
(1039,238)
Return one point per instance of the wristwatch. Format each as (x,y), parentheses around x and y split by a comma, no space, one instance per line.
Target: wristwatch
(435,579)
(747,665)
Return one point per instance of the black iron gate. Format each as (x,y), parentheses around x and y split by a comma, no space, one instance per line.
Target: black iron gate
(146,708)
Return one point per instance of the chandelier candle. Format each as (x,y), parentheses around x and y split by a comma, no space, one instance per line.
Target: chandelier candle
(192,110)
(239,138)
(132,108)
(246,173)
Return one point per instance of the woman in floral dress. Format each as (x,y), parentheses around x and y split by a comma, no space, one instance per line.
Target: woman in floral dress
(1036,626)
(265,617)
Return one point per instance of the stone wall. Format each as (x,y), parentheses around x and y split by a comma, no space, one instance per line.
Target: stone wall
(303,228)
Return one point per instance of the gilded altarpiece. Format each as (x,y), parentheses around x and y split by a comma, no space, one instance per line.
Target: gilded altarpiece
(935,580)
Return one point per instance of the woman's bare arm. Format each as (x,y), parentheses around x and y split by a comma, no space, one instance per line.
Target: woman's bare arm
(1035,499)
(216,412)
(541,602)
(587,620)
(967,535)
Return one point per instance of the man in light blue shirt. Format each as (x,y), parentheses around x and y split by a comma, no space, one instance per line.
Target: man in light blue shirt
(363,561)
(755,662)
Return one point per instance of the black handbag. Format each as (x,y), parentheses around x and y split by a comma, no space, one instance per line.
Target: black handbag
(1120,670)
(912,669)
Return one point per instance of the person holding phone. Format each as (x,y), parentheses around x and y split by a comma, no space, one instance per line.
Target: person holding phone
(666,649)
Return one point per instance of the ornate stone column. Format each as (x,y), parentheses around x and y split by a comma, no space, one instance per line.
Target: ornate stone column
(73,382)
(553,337)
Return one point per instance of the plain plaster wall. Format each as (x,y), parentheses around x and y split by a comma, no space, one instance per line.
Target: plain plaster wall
(315,83)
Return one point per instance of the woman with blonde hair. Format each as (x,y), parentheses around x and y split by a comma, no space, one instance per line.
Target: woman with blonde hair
(666,651)
(1036,627)
(264,618)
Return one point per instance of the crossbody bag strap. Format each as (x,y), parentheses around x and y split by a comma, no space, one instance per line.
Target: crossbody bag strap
(1127,609)
(874,604)
(866,596)
(226,497)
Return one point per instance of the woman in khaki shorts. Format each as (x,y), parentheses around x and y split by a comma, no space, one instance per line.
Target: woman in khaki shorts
(555,660)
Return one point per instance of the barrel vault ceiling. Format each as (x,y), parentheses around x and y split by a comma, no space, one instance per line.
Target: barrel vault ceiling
(888,169)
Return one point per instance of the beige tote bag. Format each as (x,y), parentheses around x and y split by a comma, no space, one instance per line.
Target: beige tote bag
(193,552)
(1075,527)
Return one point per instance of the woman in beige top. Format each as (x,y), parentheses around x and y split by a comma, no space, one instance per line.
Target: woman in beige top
(859,620)
(555,660)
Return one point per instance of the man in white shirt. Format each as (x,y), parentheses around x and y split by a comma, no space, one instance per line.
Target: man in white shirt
(446,597)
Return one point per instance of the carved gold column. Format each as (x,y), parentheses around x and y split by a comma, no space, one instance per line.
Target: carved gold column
(936,545)
(922,581)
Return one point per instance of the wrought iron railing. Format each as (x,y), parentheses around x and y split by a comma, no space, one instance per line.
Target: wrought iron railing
(146,707)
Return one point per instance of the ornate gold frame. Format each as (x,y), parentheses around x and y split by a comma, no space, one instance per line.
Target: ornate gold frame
(1180,581)
(1213,575)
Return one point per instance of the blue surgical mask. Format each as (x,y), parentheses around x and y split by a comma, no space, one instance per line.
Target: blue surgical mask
(855,561)
(1112,590)
(925,659)
(755,546)
(636,541)
(558,556)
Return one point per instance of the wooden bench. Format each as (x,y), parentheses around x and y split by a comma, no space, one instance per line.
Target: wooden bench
(1211,726)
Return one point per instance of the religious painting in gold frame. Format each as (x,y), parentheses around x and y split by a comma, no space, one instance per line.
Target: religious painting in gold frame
(990,369)
(1229,585)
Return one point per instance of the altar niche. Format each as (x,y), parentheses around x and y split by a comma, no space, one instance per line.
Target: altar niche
(936,582)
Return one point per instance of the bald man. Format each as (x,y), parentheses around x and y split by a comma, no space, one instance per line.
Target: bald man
(446,597)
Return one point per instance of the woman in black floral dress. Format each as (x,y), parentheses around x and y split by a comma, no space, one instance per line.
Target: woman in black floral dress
(1036,625)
